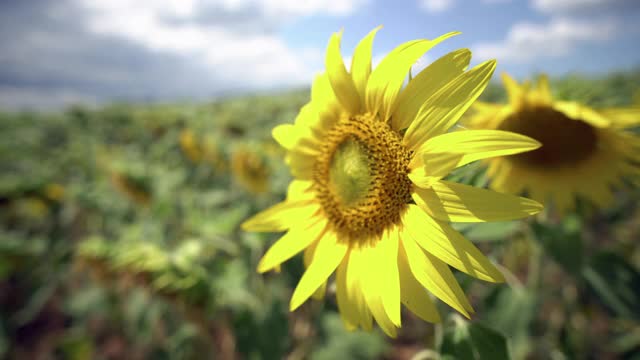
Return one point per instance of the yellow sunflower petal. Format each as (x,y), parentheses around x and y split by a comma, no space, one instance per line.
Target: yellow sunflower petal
(301,165)
(306,116)
(341,82)
(324,109)
(388,251)
(322,95)
(574,110)
(309,253)
(442,241)
(291,243)
(414,296)
(328,255)
(444,108)
(315,117)
(543,90)
(623,118)
(281,216)
(296,138)
(433,167)
(454,202)
(425,84)
(348,307)
(299,190)
(361,62)
(354,279)
(387,79)
(514,91)
(472,145)
(374,287)
(434,275)
(484,106)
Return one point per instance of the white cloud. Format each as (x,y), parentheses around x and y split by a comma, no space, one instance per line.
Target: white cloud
(152,49)
(527,42)
(308,7)
(256,58)
(581,6)
(436,6)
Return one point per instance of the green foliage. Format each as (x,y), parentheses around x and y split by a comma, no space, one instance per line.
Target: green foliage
(181,273)
(563,242)
(616,282)
(343,344)
(466,340)
(511,311)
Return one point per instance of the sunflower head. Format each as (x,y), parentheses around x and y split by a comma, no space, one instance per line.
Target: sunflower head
(54,192)
(368,200)
(250,170)
(584,152)
(135,187)
(190,146)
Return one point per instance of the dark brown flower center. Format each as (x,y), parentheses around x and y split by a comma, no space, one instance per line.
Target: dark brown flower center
(565,141)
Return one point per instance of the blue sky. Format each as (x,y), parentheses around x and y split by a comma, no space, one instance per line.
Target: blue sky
(57,52)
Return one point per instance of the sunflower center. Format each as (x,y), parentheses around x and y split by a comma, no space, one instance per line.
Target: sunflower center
(350,172)
(565,141)
(361,179)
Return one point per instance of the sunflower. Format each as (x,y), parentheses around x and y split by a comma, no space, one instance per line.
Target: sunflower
(136,188)
(368,200)
(190,146)
(584,152)
(250,170)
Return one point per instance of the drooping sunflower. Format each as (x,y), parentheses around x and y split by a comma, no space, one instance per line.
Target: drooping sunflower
(368,200)
(584,152)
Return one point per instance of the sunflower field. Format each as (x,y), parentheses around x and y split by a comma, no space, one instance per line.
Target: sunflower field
(121,238)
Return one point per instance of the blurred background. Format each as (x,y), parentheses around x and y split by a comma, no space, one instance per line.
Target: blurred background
(135,138)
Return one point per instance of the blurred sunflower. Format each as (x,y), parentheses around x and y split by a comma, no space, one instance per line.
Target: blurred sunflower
(137,189)
(584,152)
(212,153)
(202,149)
(250,170)
(189,145)
(368,199)
(54,192)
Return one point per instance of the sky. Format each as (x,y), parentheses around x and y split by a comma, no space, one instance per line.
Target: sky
(59,52)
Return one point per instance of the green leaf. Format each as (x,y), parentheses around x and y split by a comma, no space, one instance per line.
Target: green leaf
(616,283)
(473,341)
(343,344)
(563,243)
(263,335)
(512,310)
(76,347)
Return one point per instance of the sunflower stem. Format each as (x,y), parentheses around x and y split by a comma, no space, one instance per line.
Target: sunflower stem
(535,268)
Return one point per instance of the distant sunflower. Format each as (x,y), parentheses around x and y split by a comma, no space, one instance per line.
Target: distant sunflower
(368,200)
(584,152)
(135,188)
(250,170)
(190,146)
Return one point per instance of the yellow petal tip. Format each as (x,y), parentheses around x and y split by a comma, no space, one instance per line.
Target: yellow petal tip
(261,268)
(534,206)
(497,277)
(246,226)
(294,304)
